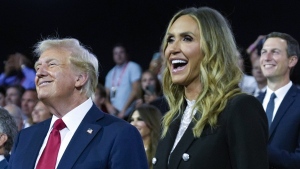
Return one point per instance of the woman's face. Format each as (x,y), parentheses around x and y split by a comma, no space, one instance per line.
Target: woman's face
(183,52)
(40,113)
(147,80)
(137,121)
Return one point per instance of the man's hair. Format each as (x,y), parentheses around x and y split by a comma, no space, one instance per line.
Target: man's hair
(292,44)
(7,126)
(81,58)
(19,88)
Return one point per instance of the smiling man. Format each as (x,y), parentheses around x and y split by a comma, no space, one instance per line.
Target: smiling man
(78,135)
(281,101)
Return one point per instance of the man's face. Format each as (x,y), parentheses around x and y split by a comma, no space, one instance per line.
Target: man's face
(119,55)
(11,65)
(29,100)
(55,77)
(13,96)
(274,61)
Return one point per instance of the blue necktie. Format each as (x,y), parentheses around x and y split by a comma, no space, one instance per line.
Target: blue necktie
(270,108)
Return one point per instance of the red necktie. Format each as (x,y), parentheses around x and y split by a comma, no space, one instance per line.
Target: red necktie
(49,155)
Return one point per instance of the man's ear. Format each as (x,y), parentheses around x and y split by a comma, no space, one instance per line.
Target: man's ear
(81,79)
(3,139)
(293,61)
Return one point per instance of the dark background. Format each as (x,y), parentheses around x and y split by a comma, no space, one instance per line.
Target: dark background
(139,24)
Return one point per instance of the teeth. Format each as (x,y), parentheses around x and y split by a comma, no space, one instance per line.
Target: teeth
(44,82)
(178,61)
(268,66)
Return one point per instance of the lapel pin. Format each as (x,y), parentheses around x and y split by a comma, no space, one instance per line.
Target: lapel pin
(90,131)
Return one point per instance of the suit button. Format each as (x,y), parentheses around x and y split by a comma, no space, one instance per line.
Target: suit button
(154,160)
(185,157)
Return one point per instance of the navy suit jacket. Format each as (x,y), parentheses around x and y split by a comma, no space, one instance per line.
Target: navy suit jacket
(3,164)
(113,143)
(284,132)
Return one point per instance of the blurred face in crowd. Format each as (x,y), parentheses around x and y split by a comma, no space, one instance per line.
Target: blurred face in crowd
(13,96)
(274,61)
(98,99)
(16,113)
(29,100)
(137,121)
(40,113)
(55,76)
(147,80)
(2,100)
(119,55)
(183,53)
(240,61)
(257,73)
(11,65)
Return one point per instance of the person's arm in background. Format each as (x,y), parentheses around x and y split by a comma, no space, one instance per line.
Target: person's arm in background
(135,92)
(22,63)
(110,108)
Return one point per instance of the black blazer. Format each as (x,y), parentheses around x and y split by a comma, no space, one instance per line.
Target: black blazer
(238,142)
(284,134)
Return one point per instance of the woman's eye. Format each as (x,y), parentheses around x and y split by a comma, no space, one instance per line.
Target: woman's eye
(140,119)
(170,39)
(188,38)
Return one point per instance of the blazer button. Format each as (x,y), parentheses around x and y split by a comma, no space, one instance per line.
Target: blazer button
(154,160)
(185,157)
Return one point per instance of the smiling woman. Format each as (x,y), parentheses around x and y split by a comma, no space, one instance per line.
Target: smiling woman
(211,124)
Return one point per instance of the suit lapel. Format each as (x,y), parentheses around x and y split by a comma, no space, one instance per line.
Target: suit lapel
(285,104)
(36,144)
(86,131)
(184,143)
(166,144)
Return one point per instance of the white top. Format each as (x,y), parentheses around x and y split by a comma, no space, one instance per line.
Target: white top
(72,120)
(2,157)
(185,121)
(248,84)
(280,93)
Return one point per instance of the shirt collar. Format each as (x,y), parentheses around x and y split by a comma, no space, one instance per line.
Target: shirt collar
(73,118)
(281,92)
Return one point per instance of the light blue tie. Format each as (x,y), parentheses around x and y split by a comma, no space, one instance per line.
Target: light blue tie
(270,108)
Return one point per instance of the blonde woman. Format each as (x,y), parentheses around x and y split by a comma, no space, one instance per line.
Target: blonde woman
(211,124)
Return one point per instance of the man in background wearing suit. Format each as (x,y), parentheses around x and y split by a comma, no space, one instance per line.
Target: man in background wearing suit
(281,100)
(79,135)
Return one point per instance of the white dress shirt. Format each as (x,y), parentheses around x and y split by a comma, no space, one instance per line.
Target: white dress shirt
(72,120)
(280,93)
(185,121)
(2,157)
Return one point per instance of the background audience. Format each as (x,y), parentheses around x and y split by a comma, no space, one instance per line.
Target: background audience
(146,119)
(8,131)
(40,113)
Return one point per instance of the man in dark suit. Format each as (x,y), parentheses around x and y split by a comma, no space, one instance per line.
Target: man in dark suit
(8,130)
(281,100)
(78,135)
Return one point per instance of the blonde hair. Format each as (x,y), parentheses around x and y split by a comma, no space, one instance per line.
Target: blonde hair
(219,71)
(81,59)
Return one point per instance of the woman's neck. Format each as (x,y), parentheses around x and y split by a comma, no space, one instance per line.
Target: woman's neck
(146,141)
